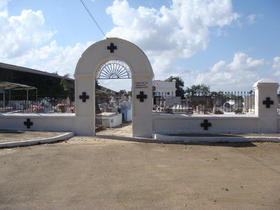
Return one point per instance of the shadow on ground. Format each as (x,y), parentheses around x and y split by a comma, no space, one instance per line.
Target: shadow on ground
(149,140)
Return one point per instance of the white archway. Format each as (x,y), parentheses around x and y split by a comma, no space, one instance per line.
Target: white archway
(85,77)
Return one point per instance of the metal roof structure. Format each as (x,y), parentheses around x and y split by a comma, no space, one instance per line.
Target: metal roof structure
(29,70)
(15,86)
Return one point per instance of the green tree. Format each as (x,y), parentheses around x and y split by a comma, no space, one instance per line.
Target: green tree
(64,83)
(67,86)
(214,93)
(198,90)
(123,92)
(179,85)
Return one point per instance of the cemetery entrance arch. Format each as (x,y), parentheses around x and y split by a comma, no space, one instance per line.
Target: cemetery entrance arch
(85,77)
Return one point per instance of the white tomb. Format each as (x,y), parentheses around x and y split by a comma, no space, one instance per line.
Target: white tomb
(110,119)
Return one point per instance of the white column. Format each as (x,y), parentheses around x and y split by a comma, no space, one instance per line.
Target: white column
(266,91)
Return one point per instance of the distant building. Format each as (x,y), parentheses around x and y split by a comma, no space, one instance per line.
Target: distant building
(48,84)
(165,92)
(163,88)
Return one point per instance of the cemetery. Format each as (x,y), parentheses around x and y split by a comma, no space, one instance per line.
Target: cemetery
(126,104)
(151,114)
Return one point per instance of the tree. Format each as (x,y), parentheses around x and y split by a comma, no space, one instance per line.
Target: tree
(179,85)
(67,86)
(214,93)
(123,92)
(198,90)
(63,82)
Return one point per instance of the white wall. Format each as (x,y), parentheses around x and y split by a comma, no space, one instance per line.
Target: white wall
(182,124)
(265,120)
(41,122)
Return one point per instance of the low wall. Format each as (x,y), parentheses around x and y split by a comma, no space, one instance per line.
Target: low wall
(278,123)
(39,122)
(181,123)
(162,123)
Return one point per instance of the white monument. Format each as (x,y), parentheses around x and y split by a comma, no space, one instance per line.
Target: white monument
(87,70)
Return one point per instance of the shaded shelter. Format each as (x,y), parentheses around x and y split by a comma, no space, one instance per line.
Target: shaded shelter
(8,86)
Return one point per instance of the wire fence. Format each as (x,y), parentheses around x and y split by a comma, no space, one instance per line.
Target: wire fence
(231,102)
(234,102)
(43,104)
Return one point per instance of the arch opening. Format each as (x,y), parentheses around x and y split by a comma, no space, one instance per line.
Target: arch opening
(113,99)
(114,69)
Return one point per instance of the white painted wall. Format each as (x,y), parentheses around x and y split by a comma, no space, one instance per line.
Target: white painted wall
(182,124)
(165,89)
(265,120)
(41,122)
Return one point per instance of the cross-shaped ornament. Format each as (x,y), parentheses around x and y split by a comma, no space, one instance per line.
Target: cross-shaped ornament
(205,124)
(141,96)
(84,96)
(112,47)
(28,123)
(267,102)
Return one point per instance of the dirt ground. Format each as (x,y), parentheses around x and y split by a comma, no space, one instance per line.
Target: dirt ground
(26,135)
(95,173)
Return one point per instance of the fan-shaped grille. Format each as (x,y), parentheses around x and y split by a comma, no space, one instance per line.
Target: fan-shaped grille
(114,70)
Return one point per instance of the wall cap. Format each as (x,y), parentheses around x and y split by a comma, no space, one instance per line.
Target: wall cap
(266,82)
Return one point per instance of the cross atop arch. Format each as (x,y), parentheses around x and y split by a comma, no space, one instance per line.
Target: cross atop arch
(112,47)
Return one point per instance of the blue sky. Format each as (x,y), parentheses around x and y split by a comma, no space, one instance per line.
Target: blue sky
(228,45)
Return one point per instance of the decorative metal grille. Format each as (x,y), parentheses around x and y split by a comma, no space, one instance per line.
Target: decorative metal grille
(114,69)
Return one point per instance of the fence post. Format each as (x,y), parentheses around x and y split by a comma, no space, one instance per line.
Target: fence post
(266,102)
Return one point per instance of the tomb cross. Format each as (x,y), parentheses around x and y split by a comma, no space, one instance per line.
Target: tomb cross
(112,47)
(267,102)
(141,96)
(205,124)
(28,123)
(84,96)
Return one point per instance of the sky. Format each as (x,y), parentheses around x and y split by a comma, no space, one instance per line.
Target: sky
(228,45)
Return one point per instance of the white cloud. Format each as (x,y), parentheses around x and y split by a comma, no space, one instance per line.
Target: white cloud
(276,65)
(170,33)
(21,33)
(166,35)
(244,62)
(241,73)
(26,41)
(251,18)
(218,66)
(52,58)
(3,8)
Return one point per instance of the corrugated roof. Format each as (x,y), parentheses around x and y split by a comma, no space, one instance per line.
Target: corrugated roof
(29,70)
(15,86)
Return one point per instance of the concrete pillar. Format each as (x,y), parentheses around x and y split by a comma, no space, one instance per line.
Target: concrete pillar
(266,103)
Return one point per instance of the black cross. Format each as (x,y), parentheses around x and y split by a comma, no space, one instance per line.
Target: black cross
(111,47)
(28,123)
(84,97)
(267,102)
(141,96)
(205,124)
